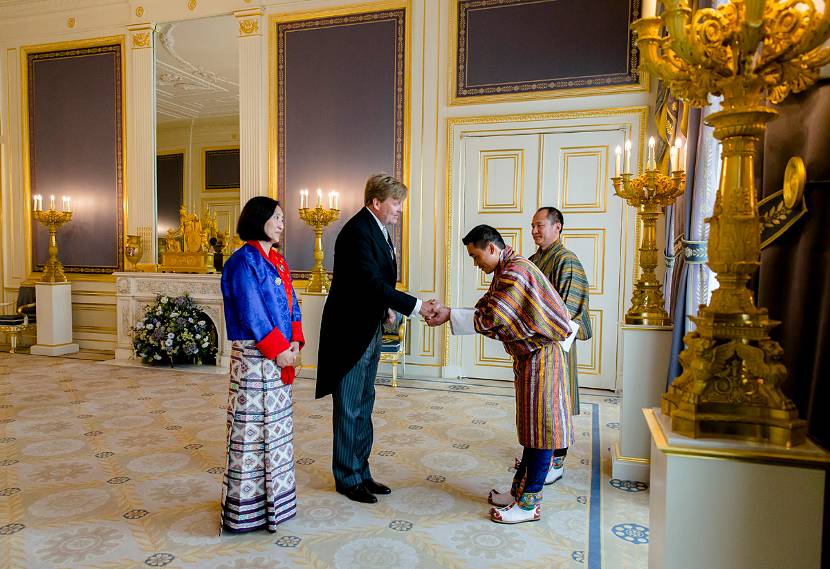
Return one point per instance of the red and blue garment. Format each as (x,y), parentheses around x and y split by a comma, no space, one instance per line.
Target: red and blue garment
(260,302)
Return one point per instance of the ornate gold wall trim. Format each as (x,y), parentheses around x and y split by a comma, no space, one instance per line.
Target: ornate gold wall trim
(641,112)
(273,115)
(24,121)
(454,100)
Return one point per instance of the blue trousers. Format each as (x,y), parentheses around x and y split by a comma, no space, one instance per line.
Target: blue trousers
(354,399)
(530,476)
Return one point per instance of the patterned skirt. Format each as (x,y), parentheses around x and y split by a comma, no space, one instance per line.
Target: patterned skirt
(259,487)
(543,399)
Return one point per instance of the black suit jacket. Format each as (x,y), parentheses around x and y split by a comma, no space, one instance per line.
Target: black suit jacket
(362,289)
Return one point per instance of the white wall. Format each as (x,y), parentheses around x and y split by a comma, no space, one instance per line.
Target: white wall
(43,21)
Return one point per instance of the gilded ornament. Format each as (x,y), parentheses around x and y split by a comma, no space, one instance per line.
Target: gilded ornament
(70,22)
(141,39)
(749,52)
(139,11)
(249,26)
(53,220)
(318,218)
(191,5)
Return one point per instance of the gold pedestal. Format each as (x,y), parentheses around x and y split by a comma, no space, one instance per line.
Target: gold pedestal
(749,52)
(53,219)
(318,218)
(649,193)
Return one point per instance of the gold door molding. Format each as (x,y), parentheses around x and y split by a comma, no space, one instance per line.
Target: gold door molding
(596,280)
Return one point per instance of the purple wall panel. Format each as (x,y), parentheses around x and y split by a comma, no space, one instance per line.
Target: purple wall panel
(340,92)
(515,46)
(75,150)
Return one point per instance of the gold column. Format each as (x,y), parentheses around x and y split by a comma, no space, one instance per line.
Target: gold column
(749,52)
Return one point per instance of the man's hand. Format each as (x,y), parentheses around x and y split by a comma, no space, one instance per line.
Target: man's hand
(429,309)
(390,316)
(441,316)
(286,358)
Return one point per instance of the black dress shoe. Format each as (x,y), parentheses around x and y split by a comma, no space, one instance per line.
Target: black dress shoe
(358,493)
(376,487)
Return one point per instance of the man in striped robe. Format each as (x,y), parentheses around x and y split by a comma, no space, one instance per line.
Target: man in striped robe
(523,311)
(563,269)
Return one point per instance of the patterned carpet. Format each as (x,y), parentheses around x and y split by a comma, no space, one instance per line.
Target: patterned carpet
(113,467)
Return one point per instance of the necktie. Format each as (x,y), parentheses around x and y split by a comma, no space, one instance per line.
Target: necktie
(389,242)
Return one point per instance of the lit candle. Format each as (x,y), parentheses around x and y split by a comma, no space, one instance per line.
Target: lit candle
(319,197)
(681,154)
(336,200)
(650,164)
(39,202)
(672,159)
(649,8)
(617,156)
(331,200)
(34,202)
(68,203)
(627,156)
(63,203)
(51,202)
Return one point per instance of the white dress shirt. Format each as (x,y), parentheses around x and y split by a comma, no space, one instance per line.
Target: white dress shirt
(394,256)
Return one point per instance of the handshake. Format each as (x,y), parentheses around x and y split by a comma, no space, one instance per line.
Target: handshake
(434,312)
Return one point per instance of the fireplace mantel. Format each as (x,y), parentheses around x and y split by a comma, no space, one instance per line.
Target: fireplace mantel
(135,291)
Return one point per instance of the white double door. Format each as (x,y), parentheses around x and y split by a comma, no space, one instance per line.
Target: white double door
(504,179)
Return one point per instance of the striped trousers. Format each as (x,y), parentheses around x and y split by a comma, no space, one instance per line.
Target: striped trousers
(354,399)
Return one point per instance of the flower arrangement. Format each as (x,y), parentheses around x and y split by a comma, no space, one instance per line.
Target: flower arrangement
(173,329)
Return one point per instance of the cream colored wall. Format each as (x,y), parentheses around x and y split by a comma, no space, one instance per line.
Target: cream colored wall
(192,138)
(430,46)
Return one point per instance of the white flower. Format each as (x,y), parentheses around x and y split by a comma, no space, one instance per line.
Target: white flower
(158,311)
(164,300)
(169,342)
(205,345)
(149,326)
(156,357)
(173,314)
(190,320)
(201,322)
(198,336)
(170,335)
(139,326)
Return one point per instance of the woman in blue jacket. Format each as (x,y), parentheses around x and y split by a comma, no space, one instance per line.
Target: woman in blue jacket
(263,321)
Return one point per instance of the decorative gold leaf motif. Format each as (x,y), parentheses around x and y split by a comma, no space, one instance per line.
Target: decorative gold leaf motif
(248,27)
(141,39)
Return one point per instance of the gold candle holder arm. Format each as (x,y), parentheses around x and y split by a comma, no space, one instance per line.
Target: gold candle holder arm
(53,220)
(318,218)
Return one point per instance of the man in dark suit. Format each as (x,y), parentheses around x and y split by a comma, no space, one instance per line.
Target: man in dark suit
(361,298)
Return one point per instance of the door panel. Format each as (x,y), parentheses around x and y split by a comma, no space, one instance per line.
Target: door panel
(505,178)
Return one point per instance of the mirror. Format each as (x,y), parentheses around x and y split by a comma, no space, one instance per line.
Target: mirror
(197,123)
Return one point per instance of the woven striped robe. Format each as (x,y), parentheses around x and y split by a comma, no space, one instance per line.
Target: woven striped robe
(523,311)
(566,274)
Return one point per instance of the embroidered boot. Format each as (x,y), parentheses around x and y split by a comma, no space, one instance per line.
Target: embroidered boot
(526,509)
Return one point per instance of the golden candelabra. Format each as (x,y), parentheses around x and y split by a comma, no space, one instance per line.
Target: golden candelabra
(749,52)
(52,219)
(649,193)
(318,218)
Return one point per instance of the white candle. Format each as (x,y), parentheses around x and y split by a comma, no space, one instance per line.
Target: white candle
(34,204)
(301,199)
(51,202)
(650,164)
(617,156)
(627,156)
(649,8)
(39,202)
(336,200)
(319,197)
(63,203)
(331,200)
(681,154)
(672,159)
(68,203)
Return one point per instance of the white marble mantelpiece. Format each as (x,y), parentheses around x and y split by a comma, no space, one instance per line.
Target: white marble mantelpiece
(135,291)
